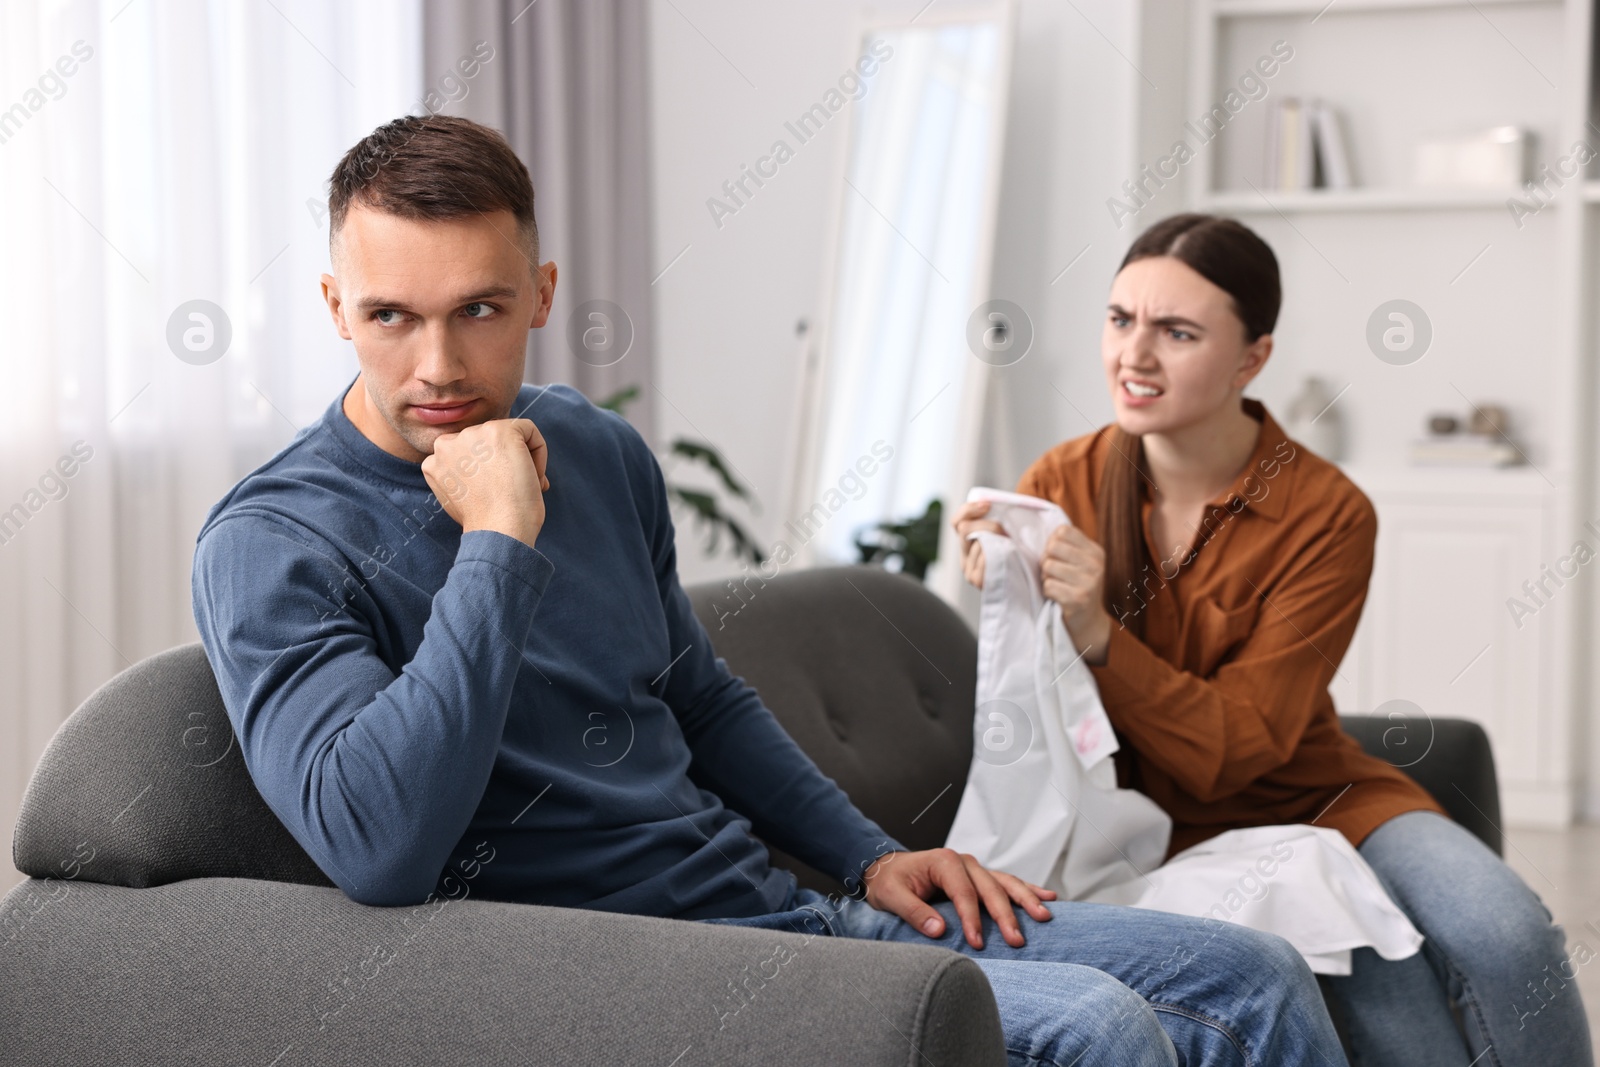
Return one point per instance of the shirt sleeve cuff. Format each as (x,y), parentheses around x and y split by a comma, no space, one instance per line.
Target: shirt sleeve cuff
(863,854)
(504,552)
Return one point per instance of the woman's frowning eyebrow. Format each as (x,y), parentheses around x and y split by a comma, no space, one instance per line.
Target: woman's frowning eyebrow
(1165,320)
(373,303)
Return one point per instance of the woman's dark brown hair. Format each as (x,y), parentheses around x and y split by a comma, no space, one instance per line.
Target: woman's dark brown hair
(1230,256)
(434,167)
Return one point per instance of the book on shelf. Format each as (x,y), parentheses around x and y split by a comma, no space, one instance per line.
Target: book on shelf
(1333,160)
(1305,146)
(1285,136)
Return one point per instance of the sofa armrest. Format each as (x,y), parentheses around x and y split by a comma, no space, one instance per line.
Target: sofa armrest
(1450,758)
(228,970)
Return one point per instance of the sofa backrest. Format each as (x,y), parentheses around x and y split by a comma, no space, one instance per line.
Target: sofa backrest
(873,676)
(144,785)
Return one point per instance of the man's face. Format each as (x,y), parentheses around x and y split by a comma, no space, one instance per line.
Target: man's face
(439,313)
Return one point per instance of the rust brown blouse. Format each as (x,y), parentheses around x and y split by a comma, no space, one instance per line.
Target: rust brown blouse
(1223,708)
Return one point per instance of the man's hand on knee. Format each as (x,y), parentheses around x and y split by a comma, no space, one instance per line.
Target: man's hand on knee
(903,882)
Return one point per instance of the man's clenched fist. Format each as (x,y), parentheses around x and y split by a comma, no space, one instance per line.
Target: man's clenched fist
(491,477)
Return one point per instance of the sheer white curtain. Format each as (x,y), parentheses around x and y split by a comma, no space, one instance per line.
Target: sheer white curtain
(153,154)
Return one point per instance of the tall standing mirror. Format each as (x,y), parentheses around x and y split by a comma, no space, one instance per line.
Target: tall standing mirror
(894,369)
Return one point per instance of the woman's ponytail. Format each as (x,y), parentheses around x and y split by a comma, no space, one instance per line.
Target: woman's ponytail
(1119,506)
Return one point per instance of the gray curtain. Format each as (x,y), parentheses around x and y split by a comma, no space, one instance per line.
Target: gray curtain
(568,85)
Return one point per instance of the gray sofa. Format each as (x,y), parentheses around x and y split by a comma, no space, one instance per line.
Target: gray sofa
(170,918)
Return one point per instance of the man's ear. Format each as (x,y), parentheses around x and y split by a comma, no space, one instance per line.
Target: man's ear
(330,294)
(544,277)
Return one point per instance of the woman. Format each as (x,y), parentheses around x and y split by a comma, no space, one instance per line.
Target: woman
(1213,575)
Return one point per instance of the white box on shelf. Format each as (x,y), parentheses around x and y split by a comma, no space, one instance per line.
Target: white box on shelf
(1464,450)
(1494,158)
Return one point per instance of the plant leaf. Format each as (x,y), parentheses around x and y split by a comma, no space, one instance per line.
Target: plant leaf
(701,452)
(619,399)
(707,515)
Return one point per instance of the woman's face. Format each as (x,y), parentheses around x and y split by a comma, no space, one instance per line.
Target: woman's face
(1174,349)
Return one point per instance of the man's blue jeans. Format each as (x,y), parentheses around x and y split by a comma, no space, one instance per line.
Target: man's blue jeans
(1117,986)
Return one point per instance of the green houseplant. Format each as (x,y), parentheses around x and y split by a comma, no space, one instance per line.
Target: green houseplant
(913,543)
(703,505)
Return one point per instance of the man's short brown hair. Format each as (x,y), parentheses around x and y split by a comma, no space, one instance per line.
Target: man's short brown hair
(434,167)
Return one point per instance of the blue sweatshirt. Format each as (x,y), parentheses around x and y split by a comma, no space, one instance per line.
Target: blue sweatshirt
(550,724)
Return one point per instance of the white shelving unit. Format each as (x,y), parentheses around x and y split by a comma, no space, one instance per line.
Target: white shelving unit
(1251,201)
(1238,8)
(1509,302)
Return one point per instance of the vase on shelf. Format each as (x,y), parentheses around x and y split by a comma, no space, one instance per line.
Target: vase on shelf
(1314,421)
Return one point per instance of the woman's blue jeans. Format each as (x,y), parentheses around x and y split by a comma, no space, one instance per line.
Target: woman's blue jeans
(1102,985)
(1491,949)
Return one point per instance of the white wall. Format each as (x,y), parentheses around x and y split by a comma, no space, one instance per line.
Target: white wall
(728,308)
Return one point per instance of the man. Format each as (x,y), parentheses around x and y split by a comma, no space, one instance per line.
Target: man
(448,628)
